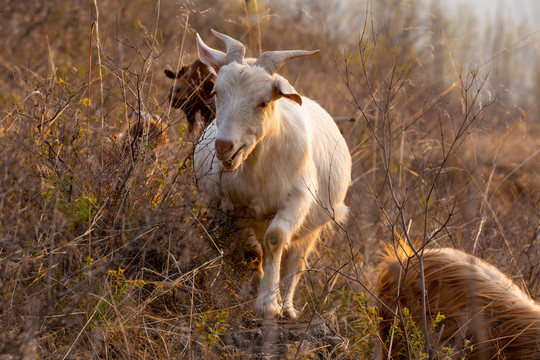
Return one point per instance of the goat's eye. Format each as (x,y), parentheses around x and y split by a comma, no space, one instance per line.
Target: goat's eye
(262,104)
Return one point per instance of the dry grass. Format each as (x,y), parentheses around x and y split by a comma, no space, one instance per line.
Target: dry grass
(106,253)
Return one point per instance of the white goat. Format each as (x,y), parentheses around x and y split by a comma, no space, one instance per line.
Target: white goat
(278,157)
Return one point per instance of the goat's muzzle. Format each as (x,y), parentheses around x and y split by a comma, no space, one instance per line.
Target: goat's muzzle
(224,151)
(223,148)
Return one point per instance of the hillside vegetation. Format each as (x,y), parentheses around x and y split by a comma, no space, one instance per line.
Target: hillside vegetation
(106,252)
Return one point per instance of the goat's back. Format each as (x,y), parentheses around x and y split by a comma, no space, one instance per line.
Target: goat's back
(332,161)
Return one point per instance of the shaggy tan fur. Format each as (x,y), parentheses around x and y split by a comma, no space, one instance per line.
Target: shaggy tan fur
(487,315)
(148,129)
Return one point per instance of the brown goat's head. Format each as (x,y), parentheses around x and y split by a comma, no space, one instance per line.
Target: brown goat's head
(192,93)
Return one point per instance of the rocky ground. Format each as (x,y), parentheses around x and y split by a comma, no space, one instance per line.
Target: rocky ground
(271,340)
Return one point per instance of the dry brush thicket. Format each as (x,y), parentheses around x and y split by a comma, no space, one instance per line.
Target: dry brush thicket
(105,250)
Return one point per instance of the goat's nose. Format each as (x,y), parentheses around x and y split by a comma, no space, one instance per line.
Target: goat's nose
(223,147)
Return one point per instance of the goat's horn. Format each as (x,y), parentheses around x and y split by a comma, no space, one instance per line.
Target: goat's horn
(235,49)
(271,61)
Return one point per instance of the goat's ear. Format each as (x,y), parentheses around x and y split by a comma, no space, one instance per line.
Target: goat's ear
(283,88)
(208,86)
(211,57)
(171,75)
(182,71)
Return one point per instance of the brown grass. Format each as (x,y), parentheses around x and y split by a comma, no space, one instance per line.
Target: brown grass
(108,254)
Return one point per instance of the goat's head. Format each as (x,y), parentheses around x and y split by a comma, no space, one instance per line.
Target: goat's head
(194,82)
(143,127)
(245,95)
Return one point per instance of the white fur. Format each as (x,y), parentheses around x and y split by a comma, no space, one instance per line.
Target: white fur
(290,176)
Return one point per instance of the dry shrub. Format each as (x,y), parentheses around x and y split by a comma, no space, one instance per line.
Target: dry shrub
(108,254)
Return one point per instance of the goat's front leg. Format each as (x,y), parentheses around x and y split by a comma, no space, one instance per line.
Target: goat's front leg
(285,224)
(292,264)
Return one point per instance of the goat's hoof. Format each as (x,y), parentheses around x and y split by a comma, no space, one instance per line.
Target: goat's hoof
(289,311)
(267,310)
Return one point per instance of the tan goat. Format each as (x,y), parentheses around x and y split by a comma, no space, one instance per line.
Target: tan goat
(486,315)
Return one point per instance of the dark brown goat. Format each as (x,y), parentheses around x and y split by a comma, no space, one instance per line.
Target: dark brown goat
(486,315)
(192,93)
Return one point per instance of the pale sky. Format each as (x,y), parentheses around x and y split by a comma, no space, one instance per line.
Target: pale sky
(517,9)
